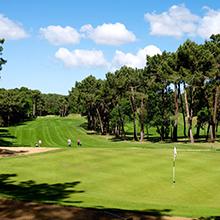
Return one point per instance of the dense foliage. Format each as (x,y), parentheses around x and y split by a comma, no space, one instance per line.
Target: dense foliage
(22,104)
(185,81)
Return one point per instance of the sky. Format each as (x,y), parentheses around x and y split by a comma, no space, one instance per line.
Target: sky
(51,44)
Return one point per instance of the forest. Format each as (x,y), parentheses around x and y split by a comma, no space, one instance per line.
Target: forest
(182,83)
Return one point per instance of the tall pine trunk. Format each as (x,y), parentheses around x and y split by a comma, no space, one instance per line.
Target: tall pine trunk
(134,109)
(34,108)
(189,117)
(142,120)
(121,123)
(214,116)
(100,121)
(198,131)
(175,126)
(183,111)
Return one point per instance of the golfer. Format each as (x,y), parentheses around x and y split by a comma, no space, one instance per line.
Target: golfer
(69,142)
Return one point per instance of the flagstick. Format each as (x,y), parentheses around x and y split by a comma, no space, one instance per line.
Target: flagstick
(174,171)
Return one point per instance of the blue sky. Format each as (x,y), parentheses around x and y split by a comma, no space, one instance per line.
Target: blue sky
(51,44)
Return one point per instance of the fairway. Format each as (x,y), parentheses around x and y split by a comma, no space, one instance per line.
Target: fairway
(104,173)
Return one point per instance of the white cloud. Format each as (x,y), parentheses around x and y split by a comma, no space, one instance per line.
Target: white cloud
(177,21)
(85,58)
(58,35)
(110,34)
(11,30)
(210,24)
(137,60)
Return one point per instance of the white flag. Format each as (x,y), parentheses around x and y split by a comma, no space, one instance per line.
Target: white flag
(174,153)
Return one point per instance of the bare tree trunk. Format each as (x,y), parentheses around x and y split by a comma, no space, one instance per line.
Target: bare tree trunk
(212,134)
(189,117)
(100,121)
(207,133)
(122,123)
(174,136)
(183,112)
(34,108)
(134,109)
(213,124)
(198,131)
(142,120)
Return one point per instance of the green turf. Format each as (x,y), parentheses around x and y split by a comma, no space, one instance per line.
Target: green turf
(108,174)
(124,178)
(54,132)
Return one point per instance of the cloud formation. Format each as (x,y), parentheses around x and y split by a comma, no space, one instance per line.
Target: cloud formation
(179,21)
(209,24)
(81,58)
(109,34)
(58,35)
(11,30)
(137,60)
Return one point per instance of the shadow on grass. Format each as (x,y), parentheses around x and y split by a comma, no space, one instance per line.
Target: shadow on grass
(4,133)
(84,126)
(31,191)
(10,209)
(210,218)
(130,214)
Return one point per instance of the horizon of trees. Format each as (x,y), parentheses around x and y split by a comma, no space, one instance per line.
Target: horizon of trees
(182,82)
(19,105)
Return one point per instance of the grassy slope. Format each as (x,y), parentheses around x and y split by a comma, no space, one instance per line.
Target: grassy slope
(112,174)
(54,132)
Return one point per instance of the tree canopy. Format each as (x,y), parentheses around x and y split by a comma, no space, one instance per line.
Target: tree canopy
(171,84)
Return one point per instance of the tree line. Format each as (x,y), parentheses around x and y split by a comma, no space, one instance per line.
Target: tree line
(18,105)
(183,82)
(172,83)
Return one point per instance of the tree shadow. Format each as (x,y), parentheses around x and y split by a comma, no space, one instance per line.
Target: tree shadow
(31,191)
(120,139)
(113,213)
(84,126)
(25,210)
(210,218)
(4,133)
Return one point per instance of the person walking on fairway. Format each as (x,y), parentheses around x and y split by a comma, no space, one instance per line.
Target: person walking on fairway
(39,143)
(69,142)
(78,142)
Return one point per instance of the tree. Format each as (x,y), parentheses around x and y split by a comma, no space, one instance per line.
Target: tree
(2,61)
(213,80)
(159,94)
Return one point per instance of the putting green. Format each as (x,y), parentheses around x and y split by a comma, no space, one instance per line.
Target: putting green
(124,178)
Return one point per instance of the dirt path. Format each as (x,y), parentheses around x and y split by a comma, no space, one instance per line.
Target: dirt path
(14,151)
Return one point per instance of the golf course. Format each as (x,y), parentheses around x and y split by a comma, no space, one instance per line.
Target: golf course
(106,173)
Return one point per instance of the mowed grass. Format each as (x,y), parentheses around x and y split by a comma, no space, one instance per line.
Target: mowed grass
(108,174)
(54,132)
(122,178)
